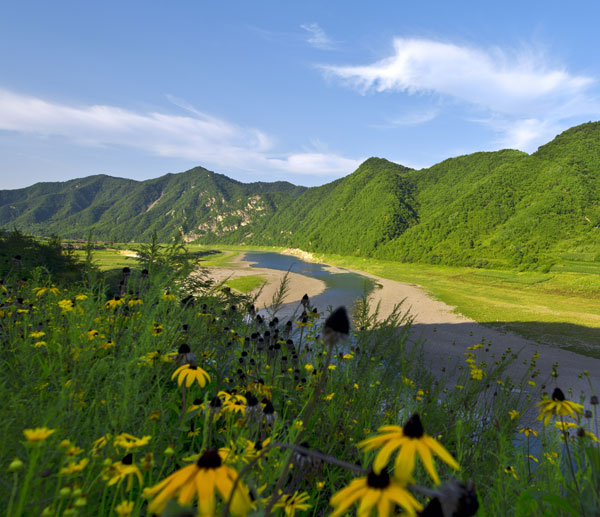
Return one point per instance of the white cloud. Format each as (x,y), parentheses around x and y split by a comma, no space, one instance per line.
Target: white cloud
(519,88)
(317,37)
(413,118)
(201,137)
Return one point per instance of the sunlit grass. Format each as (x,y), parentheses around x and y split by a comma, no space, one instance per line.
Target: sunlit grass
(246,284)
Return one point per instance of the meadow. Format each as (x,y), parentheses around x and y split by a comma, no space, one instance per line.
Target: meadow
(144,390)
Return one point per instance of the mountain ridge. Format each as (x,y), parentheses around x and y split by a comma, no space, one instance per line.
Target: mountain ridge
(502,208)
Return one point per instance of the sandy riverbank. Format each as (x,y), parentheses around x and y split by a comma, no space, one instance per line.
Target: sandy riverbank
(299,285)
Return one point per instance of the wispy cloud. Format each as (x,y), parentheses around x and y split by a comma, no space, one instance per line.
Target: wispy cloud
(317,37)
(413,118)
(511,87)
(201,137)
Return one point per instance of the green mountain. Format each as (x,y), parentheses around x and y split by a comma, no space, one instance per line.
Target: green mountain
(195,203)
(500,209)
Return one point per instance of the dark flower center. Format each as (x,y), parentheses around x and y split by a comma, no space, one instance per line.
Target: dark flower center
(192,367)
(379,481)
(216,402)
(184,349)
(558,395)
(127,460)
(251,400)
(414,428)
(268,409)
(338,321)
(209,460)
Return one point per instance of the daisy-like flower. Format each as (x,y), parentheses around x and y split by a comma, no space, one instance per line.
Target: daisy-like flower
(513,414)
(99,444)
(74,467)
(410,440)
(114,303)
(66,305)
(557,406)
(202,479)
(291,503)
(190,373)
(123,470)
(375,492)
(235,404)
(127,441)
(528,430)
(37,435)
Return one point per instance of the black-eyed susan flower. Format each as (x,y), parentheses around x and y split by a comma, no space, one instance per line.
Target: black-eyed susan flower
(74,467)
(189,373)
(235,404)
(376,492)
(292,503)
(114,303)
(201,480)
(123,470)
(527,431)
(38,434)
(513,414)
(557,406)
(410,440)
(128,441)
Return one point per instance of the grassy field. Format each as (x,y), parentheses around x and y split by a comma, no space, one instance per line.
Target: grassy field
(555,308)
(109,258)
(246,284)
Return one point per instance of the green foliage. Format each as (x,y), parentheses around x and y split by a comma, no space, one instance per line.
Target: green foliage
(21,255)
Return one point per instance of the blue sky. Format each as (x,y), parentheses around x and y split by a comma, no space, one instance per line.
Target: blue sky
(295,90)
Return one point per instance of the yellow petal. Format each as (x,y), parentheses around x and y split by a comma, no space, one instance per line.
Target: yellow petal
(405,460)
(438,448)
(425,455)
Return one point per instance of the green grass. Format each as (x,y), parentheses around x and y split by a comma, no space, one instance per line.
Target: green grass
(555,308)
(109,259)
(246,284)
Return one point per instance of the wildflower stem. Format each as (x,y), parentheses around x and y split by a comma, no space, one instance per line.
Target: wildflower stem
(13,493)
(307,414)
(183,402)
(35,454)
(565,438)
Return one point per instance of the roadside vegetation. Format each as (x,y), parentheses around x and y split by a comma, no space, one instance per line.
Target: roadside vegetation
(147,390)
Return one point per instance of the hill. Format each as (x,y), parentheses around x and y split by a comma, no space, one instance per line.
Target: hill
(195,203)
(497,209)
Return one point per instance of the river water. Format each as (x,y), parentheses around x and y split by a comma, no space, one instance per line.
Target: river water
(342,288)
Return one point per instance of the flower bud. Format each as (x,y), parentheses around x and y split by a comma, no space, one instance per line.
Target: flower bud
(15,465)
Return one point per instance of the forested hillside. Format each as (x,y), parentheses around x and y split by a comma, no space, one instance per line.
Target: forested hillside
(497,209)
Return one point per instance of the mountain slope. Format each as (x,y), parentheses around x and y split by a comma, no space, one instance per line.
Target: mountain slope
(501,209)
(195,203)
